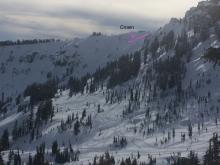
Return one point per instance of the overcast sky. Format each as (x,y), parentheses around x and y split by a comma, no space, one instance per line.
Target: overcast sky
(25,19)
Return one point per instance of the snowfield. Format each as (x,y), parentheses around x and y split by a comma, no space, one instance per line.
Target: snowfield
(174,91)
(108,124)
(61,58)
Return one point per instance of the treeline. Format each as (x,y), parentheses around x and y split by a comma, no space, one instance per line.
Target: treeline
(124,69)
(13,158)
(4,101)
(213,54)
(39,157)
(26,42)
(96,34)
(170,72)
(68,154)
(4,141)
(211,156)
(173,109)
(41,92)
(45,111)
(77,85)
(31,125)
(108,159)
(120,142)
(167,73)
(58,155)
(74,121)
(113,74)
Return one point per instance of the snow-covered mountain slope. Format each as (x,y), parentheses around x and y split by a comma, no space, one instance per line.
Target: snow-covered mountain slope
(107,124)
(62,58)
(169,108)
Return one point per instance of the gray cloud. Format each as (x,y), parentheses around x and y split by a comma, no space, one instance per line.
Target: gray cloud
(28,20)
(114,19)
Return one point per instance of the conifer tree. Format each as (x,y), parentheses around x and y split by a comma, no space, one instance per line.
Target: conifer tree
(1,159)
(5,140)
(76,128)
(55,148)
